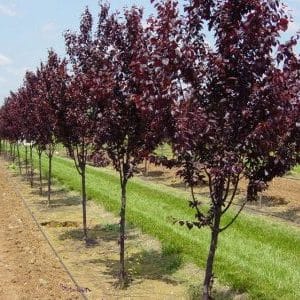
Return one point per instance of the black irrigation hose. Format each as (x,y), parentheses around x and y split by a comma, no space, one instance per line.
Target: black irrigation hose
(265,213)
(291,178)
(78,288)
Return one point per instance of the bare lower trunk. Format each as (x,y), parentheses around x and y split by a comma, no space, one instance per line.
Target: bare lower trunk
(19,158)
(83,188)
(49,177)
(123,276)
(14,152)
(40,172)
(7,150)
(208,280)
(252,193)
(31,166)
(26,162)
(10,151)
(146,167)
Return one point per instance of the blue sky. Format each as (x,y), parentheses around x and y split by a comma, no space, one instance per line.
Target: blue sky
(30,27)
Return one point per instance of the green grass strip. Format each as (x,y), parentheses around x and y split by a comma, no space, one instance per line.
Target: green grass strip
(256,255)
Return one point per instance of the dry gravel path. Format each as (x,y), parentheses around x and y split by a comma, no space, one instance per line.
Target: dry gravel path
(28,267)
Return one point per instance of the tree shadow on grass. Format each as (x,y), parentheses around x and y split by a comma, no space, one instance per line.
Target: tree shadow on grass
(147,264)
(59,197)
(66,201)
(98,234)
(292,214)
(195,291)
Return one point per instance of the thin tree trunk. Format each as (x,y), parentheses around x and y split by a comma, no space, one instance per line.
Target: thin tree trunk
(31,165)
(146,167)
(49,176)
(252,193)
(208,280)
(10,151)
(14,152)
(40,171)
(83,189)
(122,234)
(26,161)
(0,147)
(19,158)
(6,150)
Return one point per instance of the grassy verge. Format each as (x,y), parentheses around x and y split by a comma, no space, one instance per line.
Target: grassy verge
(297,169)
(256,255)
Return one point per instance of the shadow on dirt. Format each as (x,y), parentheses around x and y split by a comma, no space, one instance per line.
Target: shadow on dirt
(292,214)
(98,233)
(143,265)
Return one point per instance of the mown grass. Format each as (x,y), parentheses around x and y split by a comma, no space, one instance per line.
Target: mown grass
(164,149)
(257,255)
(297,169)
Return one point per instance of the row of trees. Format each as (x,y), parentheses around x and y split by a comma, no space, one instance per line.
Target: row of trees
(125,87)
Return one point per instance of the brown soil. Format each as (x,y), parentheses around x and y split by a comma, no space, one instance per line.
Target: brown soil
(28,267)
(29,270)
(281,199)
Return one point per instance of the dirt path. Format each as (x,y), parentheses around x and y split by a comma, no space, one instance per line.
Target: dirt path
(28,267)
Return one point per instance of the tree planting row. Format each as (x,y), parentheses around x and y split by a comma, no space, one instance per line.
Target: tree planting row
(229,110)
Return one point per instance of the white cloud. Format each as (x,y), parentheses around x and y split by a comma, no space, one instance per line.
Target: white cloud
(49,28)
(8,10)
(4,60)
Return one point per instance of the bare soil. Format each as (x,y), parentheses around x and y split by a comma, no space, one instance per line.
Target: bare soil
(28,267)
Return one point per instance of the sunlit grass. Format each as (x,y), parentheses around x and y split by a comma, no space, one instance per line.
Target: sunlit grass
(256,255)
(297,169)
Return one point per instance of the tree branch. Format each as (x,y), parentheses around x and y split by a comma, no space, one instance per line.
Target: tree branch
(210,186)
(227,189)
(232,196)
(235,217)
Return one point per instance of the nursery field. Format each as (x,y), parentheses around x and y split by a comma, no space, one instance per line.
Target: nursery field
(259,256)
(157,158)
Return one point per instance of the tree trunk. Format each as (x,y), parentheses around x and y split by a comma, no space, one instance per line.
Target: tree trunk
(208,280)
(19,158)
(83,189)
(6,149)
(31,165)
(40,172)
(26,162)
(49,176)
(14,152)
(252,193)
(122,234)
(10,151)
(146,167)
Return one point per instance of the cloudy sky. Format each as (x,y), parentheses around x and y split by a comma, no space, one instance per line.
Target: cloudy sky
(30,27)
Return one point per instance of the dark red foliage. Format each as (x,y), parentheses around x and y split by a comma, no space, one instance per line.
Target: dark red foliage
(232,106)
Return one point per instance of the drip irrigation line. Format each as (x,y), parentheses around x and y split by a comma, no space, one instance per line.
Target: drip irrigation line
(267,214)
(291,178)
(17,191)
